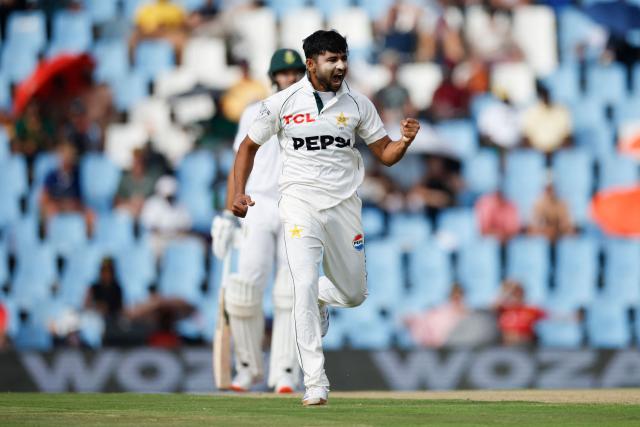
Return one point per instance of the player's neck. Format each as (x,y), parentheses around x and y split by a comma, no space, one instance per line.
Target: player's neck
(317,86)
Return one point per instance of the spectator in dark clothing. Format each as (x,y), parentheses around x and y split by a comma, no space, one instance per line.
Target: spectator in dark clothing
(105,296)
(34,132)
(61,192)
(516,318)
(392,101)
(450,100)
(81,131)
(136,186)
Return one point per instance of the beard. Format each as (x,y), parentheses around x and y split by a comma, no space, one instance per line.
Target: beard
(329,82)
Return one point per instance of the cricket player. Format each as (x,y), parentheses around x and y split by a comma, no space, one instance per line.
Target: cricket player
(260,247)
(316,121)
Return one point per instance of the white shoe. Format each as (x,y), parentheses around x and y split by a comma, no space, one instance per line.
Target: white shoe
(285,384)
(324,318)
(315,395)
(243,380)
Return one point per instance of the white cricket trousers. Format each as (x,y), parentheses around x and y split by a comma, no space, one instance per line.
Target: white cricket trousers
(334,237)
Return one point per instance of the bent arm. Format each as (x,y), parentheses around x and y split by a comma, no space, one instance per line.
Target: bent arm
(241,171)
(390,152)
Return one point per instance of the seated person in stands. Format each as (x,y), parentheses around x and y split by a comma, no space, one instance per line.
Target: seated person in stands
(516,319)
(551,216)
(392,101)
(433,327)
(34,132)
(497,216)
(136,185)
(162,19)
(499,124)
(163,216)
(546,126)
(451,99)
(105,296)
(61,191)
(439,188)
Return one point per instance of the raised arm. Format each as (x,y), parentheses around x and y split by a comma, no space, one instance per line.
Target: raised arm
(390,152)
(241,170)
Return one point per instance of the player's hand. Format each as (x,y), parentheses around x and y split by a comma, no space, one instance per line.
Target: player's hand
(409,129)
(241,203)
(222,229)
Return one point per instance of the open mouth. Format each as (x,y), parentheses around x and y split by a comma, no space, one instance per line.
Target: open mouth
(337,78)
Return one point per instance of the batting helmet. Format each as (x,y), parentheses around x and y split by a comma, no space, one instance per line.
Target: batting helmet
(285,59)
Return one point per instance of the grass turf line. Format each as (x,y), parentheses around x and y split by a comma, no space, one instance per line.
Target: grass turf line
(19,409)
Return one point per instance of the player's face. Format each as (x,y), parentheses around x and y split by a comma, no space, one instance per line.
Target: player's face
(286,78)
(330,69)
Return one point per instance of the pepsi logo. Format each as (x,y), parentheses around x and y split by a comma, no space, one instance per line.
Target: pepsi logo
(358,242)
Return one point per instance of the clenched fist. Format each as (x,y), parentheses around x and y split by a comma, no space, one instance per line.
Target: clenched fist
(241,203)
(409,129)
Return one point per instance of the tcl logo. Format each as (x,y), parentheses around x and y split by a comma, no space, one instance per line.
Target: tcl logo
(298,118)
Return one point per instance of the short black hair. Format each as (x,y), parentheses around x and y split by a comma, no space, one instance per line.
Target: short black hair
(324,41)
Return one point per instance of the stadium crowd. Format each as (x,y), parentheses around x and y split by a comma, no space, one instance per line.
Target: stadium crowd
(109,178)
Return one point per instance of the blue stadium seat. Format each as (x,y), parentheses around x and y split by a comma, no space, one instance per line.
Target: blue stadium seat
(27,28)
(65,232)
(430,277)
(564,83)
(366,329)
(385,276)
(5,151)
(608,325)
(72,31)
(282,7)
(101,11)
(32,335)
(574,27)
(114,231)
(112,62)
(35,273)
(335,338)
(524,180)
(627,110)
(14,170)
(573,181)
(576,270)
(618,171)
(482,172)
(622,271)
(24,232)
(4,265)
(372,222)
(182,270)
(481,101)
(9,205)
(152,57)
(479,272)
(226,158)
(197,169)
(528,261)
(6,103)
(81,269)
(457,226)
(129,90)
(460,136)
(18,61)
(587,110)
(199,203)
(559,333)
(136,271)
(45,162)
(99,179)
(596,136)
(408,230)
(376,9)
(607,83)
(330,7)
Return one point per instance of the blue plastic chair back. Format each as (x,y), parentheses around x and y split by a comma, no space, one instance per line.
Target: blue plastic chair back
(151,58)
(576,270)
(385,276)
(136,271)
(460,224)
(608,325)
(372,222)
(564,83)
(199,204)
(114,231)
(430,277)
(608,83)
(35,273)
(460,135)
(409,230)
(102,11)
(66,232)
(72,30)
(81,269)
(129,90)
(99,180)
(559,333)
(28,28)
(482,172)
(112,62)
(618,171)
(524,180)
(573,181)
(479,272)
(182,270)
(197,169)
(622,271)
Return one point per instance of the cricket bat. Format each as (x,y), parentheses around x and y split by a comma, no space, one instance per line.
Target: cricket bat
(222,336)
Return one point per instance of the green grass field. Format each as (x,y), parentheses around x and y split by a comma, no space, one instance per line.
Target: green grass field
(222,410)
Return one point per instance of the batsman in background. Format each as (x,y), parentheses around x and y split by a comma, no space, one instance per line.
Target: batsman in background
(260,247)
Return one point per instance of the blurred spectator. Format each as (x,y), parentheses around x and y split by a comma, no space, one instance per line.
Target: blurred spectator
(381,191)
(439,37)
(81,131)
(245,91)
(4,324)
(434,327)
(499,124)
(162,19)
(34,132)
(398,28)
(105,296)
(207,21)
(439,187)
(392,101)
(156,164)
(489,35)
(546,125)
(475,73)
(516,319)
(61,190)
(136,185)
(497,216)
(163,216)
(551,217)
(450,99)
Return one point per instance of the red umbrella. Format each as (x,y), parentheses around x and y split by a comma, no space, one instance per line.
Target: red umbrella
(617,211)
(61,76)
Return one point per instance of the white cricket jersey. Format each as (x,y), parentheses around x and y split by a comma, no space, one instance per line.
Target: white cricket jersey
(320,164)
(266,165)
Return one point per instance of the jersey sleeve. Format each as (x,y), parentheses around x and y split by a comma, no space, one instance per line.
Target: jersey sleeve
(267,122)
(247,118)
(370,128)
